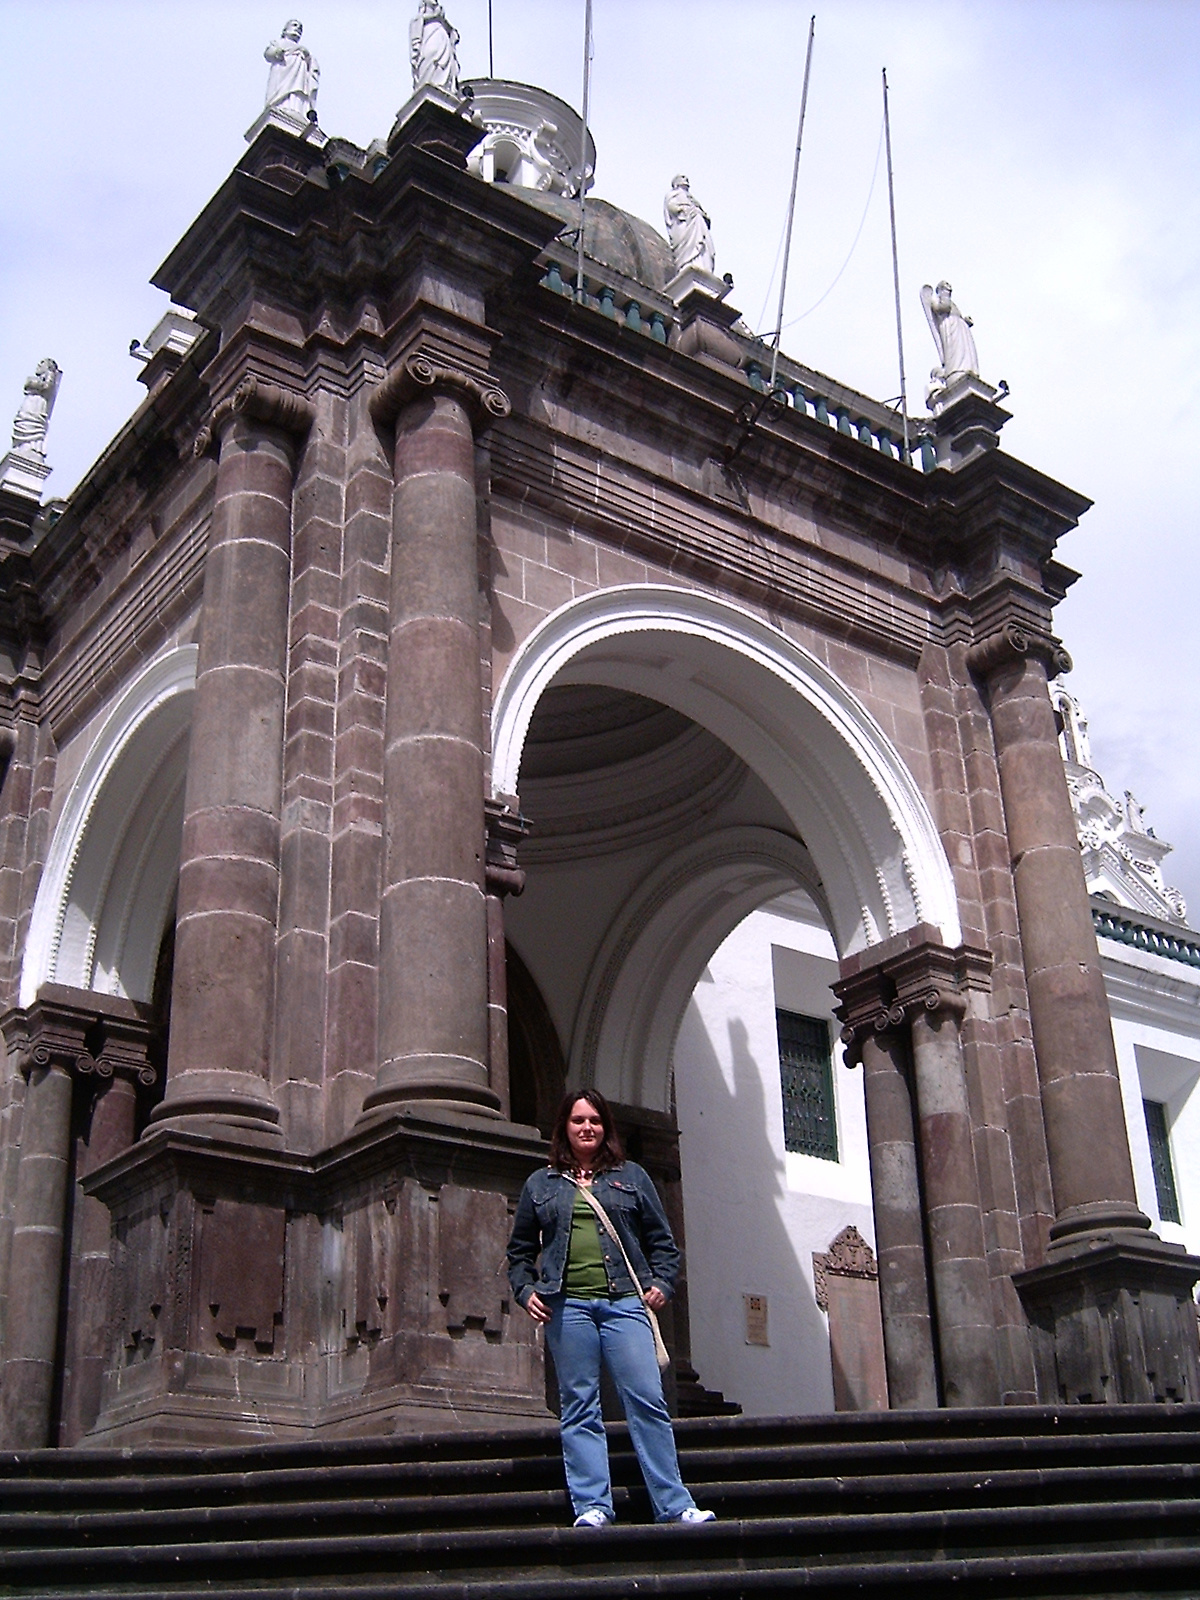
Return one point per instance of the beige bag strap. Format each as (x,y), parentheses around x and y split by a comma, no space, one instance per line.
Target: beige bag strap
(605,1221)
(661,1353)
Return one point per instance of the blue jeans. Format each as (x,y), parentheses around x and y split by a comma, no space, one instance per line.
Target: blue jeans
(579,1333)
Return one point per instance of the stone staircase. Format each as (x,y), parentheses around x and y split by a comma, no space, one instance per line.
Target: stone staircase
(1088,1501)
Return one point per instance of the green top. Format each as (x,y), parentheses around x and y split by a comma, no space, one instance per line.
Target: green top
(585,1277)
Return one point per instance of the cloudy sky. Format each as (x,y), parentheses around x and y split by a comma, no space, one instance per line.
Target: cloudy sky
(1046,154)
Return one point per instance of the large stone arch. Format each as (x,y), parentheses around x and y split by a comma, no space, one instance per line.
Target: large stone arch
(871,859)
(839,778)
(110,875)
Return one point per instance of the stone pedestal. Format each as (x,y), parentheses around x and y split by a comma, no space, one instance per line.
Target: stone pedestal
(967,422)
(217,1334)
(299,127)
(1115,1325)
(705,318)
(23,476)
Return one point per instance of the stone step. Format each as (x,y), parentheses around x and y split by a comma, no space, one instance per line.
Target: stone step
(920,1536)
(804,1441)
(1094,1501)
(202,1513)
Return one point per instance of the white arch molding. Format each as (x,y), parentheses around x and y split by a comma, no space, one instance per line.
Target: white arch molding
(107,887)
(839,778)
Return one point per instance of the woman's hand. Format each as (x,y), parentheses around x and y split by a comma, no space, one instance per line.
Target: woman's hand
(655,1299)
(540,1311)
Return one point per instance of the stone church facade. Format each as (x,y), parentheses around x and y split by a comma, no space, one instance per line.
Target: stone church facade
(416,694)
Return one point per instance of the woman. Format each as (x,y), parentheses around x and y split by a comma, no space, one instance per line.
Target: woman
(590,1307)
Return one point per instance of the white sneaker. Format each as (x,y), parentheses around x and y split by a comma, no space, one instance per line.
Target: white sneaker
(594,1518)
(694,1514)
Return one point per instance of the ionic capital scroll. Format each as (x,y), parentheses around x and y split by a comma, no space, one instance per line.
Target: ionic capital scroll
(1012,643)
(484,402)
(264,402)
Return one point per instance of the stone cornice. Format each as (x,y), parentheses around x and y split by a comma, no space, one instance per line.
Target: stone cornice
(285,227)
(448,1149)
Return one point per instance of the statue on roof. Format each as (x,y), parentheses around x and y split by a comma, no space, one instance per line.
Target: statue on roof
(433,50)
(32,421)
(688,228)
(953,338)
(294,75)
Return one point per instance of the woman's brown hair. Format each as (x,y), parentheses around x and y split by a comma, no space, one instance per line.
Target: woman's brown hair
(610,1154)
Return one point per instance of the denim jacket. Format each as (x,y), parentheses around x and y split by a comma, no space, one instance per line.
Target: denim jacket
(542,1226)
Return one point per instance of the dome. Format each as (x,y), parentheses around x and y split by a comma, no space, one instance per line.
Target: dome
(614,238)
(532,141)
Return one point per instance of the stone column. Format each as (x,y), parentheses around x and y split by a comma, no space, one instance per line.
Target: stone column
(958,1258)
(223,991)
(36,1259)
(899,1231)
(1090,1166)
(51,1043)
(433,936)
(122,1064)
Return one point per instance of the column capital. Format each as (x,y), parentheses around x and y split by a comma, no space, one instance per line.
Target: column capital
(887,984)
(264,402)
(1013,642)
(90,1036)
(484,401)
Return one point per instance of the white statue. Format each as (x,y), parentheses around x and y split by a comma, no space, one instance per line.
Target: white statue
(433,50)
(32,420)
(688,229)
(952,335)
(294,75)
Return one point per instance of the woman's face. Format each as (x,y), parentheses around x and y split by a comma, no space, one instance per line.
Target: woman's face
(585,1131)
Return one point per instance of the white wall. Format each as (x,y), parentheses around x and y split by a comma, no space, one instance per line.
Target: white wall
(754,1212)
(1156,1027)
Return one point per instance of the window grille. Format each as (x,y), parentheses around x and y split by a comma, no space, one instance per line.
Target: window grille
(806,1077)
(1160,1160)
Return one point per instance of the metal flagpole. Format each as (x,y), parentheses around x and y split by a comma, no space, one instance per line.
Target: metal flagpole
(583,174)
(491,53)
(887,134)
(787,248)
